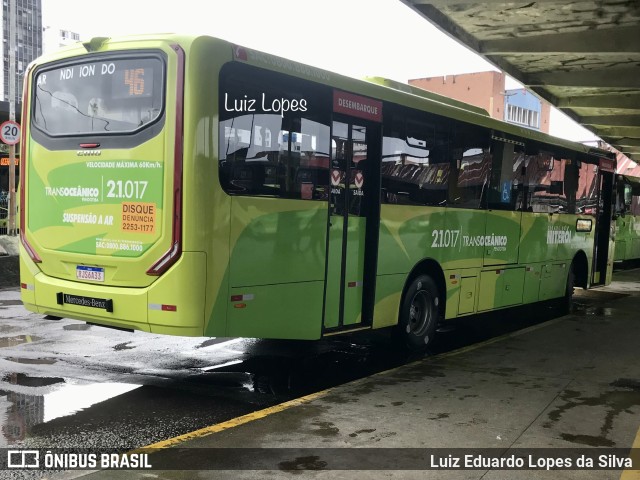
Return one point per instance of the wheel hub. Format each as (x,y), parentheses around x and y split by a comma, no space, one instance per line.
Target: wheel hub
(420,313)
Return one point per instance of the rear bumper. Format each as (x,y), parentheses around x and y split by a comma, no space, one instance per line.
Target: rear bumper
(182,287)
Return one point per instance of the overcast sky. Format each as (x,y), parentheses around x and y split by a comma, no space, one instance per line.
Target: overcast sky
(353,37)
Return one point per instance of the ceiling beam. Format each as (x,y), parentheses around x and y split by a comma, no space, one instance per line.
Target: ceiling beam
(612,120)
(625,142)
(604,41)
(632,154)
(621,101)
(449,3)
(633,132)
(625,77)
(612,85)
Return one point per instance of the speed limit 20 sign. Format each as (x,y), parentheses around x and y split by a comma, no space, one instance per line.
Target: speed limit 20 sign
(10,132)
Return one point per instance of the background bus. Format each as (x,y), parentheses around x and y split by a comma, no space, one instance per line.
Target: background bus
(627,218)
(188,186)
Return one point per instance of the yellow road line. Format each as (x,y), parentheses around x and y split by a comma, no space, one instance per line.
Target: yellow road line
(635,473)
(484,343)
(250,417)
(234,422)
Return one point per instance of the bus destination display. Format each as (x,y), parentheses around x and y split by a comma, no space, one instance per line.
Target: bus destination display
(128,78)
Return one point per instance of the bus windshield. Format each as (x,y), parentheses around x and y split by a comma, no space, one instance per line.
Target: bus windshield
(114,95)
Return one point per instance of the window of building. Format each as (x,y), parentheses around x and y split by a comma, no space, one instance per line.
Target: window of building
(522,116)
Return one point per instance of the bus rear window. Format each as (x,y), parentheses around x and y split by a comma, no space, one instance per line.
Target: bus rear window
(111,95)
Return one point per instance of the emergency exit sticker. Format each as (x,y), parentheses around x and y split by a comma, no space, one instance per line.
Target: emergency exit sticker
(335,178)
(359,180)
(138,217)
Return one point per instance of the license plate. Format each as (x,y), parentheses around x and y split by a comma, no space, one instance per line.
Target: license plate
(94,274)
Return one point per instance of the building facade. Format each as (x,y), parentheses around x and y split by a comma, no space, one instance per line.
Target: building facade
(487,90)
(28,46)
(55,38)
(28,41)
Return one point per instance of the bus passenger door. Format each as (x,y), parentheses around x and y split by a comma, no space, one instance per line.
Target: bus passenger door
(352,238)
(604,241)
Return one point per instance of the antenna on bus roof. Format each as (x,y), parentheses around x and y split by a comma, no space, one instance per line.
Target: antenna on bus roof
(95,43)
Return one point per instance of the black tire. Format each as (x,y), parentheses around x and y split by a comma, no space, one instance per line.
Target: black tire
(420,312)
(567,301)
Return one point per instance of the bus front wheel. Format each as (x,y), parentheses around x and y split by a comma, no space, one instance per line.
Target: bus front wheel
(419,314)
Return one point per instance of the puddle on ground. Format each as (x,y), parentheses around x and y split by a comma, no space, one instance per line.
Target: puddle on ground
(6,303)
(613,402)
(213,341)
(630,383)
(29,381)
(584,310)
(588,302)
(590,440)
(8,328)
(32,361)
(17,340)
(77,326)
(26,411)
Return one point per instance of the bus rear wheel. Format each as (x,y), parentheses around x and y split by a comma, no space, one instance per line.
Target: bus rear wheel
(419,314)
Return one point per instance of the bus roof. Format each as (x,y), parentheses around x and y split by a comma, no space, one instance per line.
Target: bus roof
(634,181)
(403,87)
(376,87)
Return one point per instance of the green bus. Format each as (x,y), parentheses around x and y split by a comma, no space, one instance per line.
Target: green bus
(627,218)
(184,185)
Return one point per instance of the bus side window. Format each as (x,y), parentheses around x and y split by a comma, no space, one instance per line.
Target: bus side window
(283,154)
(622,194)
(415,163)
(634,201)
(505,184)
(312,172)
(628,196)
(570,185)
(271,155)
(545,180)
(586,195)
(470,166)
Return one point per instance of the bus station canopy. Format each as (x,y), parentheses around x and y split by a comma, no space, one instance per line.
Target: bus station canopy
(581,56)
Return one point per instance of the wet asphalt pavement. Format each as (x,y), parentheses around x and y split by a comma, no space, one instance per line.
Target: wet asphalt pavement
(67,384)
